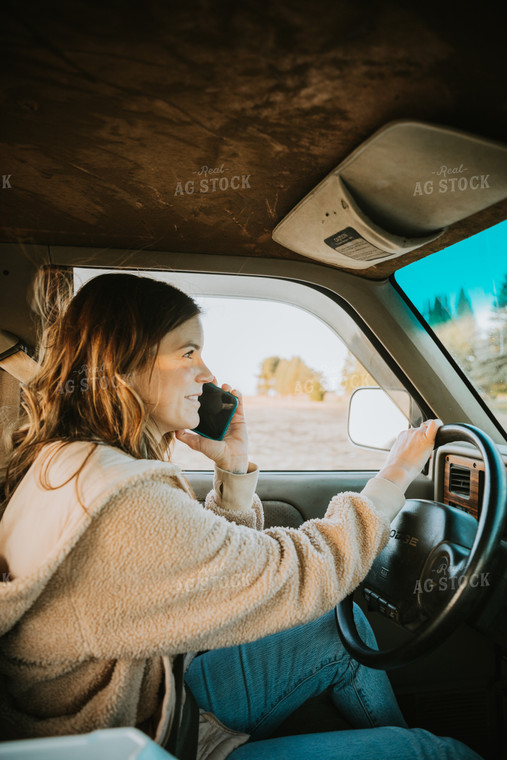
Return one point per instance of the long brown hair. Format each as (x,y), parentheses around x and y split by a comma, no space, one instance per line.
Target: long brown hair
(89,347)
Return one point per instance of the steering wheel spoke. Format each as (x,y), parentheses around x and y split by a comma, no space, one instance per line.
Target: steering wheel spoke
(442,575)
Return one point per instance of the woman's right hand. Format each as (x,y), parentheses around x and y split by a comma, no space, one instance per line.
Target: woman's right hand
(231,453)
(409,454)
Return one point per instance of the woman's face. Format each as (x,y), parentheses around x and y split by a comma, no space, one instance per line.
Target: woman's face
(177,378)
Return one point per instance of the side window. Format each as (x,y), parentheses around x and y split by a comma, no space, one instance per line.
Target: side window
(296,376)
(291,351)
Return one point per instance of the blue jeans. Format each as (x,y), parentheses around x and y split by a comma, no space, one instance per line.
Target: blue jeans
(254,687)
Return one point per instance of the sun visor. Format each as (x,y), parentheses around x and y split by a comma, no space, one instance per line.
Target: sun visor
(399,190)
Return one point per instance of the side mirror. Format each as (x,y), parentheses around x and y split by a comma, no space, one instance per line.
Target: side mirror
(375,419)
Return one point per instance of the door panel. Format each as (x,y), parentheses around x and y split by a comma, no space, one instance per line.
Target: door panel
(300,496)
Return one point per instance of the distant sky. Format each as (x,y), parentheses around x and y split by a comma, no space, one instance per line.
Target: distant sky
(239,334)
(477,264)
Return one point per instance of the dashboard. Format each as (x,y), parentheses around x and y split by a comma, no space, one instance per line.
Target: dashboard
(463,483)
(460,478)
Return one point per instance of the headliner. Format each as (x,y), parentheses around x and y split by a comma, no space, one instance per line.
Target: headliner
(106,107)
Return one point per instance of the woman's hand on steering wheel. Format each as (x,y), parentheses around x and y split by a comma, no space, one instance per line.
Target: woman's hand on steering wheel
(409,454)
(231,453)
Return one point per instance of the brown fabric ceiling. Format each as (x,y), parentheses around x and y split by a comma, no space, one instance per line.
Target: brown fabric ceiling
(110,111)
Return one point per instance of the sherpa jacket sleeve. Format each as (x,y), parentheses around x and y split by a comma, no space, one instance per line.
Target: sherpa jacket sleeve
(156,573)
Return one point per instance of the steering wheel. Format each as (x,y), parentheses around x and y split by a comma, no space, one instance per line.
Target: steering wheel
(433,571)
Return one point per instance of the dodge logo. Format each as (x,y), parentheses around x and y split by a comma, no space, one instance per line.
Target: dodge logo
(405,537)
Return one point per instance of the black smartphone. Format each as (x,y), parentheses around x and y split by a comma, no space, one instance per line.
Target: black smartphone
(216,412)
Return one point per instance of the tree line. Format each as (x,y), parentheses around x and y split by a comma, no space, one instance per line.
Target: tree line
(293,377)
(482,354)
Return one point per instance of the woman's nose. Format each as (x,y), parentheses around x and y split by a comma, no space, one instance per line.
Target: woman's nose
(205,376)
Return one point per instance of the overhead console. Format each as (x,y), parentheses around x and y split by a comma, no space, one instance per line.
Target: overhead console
(399,190)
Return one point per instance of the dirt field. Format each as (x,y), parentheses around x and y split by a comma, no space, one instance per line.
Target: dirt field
(294,434)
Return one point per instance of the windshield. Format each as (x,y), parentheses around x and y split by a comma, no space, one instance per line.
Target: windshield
(461,292)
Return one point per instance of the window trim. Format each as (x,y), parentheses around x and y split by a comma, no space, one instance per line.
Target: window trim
(184,280)
(198,285)
(187,280)
(378,302)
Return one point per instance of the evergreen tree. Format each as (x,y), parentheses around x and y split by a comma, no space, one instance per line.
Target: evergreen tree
(501,298)
(495,369)
(439,312)
(463,305)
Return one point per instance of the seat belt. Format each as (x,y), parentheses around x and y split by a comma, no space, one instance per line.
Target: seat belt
(183,737)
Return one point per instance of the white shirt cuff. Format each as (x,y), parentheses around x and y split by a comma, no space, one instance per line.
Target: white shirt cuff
(385,495)
(233,491)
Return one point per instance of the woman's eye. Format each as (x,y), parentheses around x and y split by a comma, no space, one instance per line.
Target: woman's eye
(189,353)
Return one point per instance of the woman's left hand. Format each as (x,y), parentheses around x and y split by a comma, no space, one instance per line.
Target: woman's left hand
(231,453)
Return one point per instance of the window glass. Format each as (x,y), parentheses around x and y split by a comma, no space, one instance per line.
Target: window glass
(461,292)
(295,373)
(296,377)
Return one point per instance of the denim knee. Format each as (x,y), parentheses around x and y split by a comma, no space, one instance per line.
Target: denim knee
(364,628)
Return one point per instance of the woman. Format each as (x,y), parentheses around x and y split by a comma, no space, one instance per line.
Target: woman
(115,570)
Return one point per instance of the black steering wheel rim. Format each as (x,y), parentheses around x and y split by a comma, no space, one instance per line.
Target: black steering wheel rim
(481,557)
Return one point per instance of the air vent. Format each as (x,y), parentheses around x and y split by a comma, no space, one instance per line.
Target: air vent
(459,480)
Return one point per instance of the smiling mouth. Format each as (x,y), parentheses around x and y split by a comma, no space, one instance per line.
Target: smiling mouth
(194,399)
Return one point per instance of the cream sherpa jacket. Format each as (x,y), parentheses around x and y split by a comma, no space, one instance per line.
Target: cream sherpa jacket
(95,604)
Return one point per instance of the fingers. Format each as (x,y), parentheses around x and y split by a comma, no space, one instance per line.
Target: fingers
(410,453)
(192,440)
(430,428)
(227,387)
(234,391)
(432,422)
